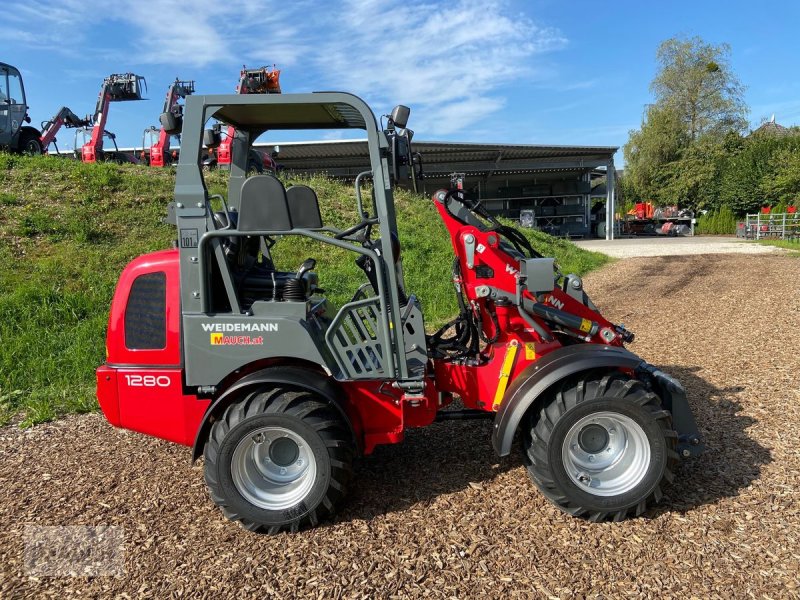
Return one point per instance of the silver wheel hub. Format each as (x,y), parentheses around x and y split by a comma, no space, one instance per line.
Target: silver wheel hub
(606,453)
(273,468)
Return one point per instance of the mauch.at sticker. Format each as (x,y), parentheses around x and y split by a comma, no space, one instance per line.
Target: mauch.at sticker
(237,327)
(218,339)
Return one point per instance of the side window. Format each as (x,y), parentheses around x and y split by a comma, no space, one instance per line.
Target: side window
(14,88)
(146,313)
(3,85)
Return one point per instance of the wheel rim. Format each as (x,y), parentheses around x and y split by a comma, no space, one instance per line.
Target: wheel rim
(32,148)
(606,453)
(273,468)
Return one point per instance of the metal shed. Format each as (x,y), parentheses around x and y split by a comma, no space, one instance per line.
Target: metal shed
(549,185)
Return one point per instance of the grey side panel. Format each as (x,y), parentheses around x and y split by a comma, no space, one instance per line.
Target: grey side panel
(548,370)
(298,377)
(217,345)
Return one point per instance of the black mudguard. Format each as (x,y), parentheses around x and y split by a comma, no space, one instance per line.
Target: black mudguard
(297,377)
(553,367)
(673,398)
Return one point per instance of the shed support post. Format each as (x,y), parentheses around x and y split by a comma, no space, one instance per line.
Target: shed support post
(611,207)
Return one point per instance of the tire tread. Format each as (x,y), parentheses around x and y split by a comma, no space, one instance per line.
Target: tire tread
(571,394)
(314,412)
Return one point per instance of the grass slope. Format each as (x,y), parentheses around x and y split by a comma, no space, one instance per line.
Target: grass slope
(67,229)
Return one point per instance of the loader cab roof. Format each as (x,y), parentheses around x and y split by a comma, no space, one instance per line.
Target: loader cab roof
(253,114)
(257,113)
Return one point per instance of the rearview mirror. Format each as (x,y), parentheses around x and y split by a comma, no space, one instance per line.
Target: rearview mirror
(400,116)
(212,138)
(171,123)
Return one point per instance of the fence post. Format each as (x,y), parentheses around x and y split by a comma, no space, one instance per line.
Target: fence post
(783,231)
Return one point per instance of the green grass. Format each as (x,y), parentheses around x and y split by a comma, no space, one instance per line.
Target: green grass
(793,245)
(67,229)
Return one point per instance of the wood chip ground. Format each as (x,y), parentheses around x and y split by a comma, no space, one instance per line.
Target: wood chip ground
(439,516)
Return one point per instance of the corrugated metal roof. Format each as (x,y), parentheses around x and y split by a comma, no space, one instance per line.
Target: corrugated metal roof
(346,157)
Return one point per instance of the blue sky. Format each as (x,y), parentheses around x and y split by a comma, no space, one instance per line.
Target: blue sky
(541,72)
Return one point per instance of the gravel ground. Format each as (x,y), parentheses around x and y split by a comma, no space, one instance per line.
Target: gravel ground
(439,516)
(675,246)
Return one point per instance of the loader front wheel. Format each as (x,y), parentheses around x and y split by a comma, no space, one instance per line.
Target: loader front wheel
(279,459)
(601,448)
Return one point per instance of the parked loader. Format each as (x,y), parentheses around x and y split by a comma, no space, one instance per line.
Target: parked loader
(158,154)
(15,135)
(211,346)
(18,137)
(120,87)
(261,80)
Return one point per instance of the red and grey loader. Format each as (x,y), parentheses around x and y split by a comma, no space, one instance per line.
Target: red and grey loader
(280,388)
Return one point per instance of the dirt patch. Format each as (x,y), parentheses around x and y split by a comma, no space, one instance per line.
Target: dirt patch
(439,515)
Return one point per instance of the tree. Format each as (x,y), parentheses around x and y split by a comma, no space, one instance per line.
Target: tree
(657,143)
(696,81)
(673,157)
(692,180)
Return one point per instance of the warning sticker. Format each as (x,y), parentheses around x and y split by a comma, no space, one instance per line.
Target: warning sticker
(189,238)
(530,351)
(586,325)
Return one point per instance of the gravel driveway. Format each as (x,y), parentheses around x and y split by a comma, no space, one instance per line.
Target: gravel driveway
(676,246)
(440,516)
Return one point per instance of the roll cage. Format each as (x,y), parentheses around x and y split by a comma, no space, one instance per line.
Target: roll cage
(251,115)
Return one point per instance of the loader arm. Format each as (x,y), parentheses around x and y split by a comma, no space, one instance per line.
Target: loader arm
(63,118)
(116,88)
(177,90)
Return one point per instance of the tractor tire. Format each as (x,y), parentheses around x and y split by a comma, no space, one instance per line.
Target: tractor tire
(278,460)
(30,144)
(602,447)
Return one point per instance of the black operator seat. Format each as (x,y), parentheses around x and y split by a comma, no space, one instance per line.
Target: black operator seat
(304,207)
(263,205)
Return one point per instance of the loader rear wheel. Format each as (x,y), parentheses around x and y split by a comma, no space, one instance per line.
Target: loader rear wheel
(601,448)
(279,459)
(30,144)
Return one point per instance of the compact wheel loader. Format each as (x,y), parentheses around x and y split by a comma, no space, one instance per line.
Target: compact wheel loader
(211,346)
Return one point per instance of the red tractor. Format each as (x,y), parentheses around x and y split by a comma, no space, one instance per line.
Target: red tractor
(209,345)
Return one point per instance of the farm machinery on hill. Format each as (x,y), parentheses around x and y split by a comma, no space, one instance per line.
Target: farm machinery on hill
(251,81)
(15,135)
(156,153)
(211,346)
(25,138)
(122,87)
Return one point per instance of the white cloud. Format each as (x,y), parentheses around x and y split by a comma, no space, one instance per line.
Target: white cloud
(450,61)
(165,32)
(206,32)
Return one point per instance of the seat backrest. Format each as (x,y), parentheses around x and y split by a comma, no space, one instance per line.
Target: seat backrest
(304,207)
(263,205)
